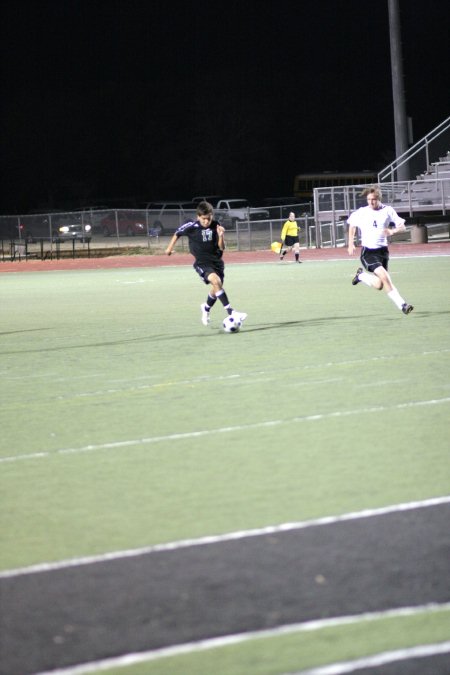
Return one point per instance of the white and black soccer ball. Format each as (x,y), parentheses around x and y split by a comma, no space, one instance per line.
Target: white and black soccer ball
(231,324)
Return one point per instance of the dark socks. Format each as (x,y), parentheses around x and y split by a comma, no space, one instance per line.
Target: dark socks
(222,296)
(210,301)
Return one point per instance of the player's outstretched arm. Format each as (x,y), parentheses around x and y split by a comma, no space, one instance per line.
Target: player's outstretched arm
(171,245)
(351,239)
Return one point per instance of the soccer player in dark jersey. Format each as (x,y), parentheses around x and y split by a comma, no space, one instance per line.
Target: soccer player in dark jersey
(206,244)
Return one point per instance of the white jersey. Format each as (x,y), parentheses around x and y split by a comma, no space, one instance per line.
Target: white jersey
(372,224)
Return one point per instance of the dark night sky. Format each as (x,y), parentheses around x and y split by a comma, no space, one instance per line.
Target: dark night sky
(116,98)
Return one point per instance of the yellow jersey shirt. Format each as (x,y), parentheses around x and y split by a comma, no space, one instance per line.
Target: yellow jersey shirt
(290,228)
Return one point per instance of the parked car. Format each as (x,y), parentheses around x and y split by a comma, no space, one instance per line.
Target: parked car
(57,226)
(73,231)
(234,211)
(125,223)
(165,217)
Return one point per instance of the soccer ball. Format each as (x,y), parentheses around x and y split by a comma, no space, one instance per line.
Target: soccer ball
(231,324)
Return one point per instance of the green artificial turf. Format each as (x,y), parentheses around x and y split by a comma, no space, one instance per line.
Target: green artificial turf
(303,649)
(125,422)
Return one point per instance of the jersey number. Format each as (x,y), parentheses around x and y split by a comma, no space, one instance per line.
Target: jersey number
(207,235)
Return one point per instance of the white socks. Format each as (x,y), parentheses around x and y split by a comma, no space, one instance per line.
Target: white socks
(371,280)
(367,279)
(396,298)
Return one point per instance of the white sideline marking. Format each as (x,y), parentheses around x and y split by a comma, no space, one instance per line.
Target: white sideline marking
(137,281)
(229,536)
(209,378)
(213,643)
(223,430)
(246,377)
(379,659)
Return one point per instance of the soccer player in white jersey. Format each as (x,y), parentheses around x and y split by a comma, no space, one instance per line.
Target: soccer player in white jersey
(374,222)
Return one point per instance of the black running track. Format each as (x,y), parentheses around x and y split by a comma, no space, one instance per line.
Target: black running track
(101,610)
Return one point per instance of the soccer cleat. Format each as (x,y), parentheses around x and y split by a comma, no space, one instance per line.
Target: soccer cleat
(406,309)
(205,314)
(239,315)
(355,279)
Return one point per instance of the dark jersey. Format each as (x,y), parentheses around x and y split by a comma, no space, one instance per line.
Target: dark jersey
(203,241)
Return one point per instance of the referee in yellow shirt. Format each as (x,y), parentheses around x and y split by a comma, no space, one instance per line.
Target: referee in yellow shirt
(289,238)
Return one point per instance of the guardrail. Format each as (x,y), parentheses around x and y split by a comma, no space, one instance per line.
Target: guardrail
(419,202)
(436,140)
(43,249)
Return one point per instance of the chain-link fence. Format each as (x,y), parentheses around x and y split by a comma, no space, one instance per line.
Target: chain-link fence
(96,232)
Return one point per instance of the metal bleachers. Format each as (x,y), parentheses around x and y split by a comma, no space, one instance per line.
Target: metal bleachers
(423,201)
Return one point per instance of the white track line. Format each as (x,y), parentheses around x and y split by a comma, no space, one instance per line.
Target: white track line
(230,536)
(382,659)
(113,445)
(203,645)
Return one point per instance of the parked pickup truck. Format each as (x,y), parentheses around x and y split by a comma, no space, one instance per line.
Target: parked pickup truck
(234,211)
(165,217)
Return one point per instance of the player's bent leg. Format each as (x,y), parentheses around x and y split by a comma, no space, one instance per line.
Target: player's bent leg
(222,296)
(384,278)
(392,292)
(215,282)
(368,279)
(206,308)
(381,278)
(205,313)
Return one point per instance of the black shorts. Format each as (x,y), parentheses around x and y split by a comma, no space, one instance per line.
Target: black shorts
(207,268)
(291,240)
(372,258)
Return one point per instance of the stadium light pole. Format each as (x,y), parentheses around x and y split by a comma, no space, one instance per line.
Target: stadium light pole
(398,92)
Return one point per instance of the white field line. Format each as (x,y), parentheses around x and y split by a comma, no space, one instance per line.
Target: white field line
(310,261)
(136,281)
(215,378)
(419,652)
(214,643)
(114,445)
(230,536)
(244,378)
